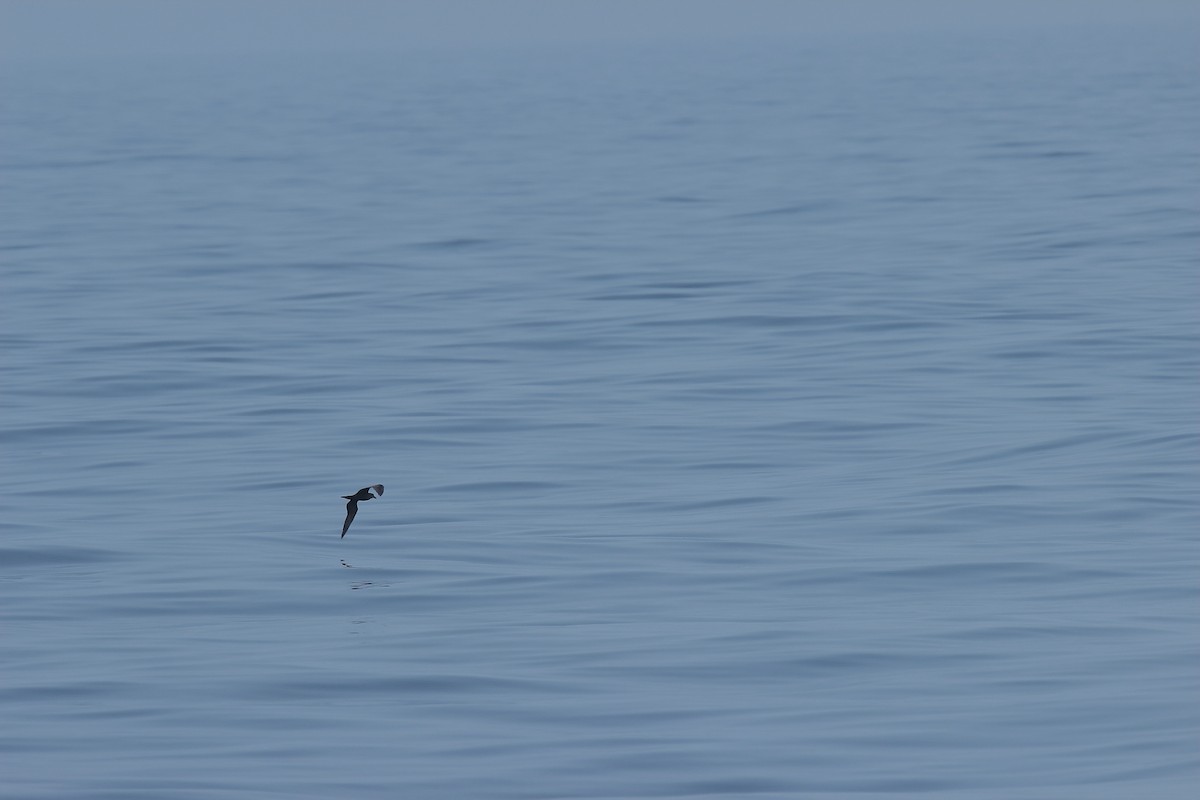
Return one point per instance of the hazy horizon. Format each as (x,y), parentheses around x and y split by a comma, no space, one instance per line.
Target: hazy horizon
(65,29)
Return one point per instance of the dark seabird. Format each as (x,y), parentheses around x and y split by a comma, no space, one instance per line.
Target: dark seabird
(352,506)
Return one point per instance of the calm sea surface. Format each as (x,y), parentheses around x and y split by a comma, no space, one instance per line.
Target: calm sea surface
(773,422)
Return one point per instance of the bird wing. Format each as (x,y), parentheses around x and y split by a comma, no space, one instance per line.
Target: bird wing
(378,489)
(351,510)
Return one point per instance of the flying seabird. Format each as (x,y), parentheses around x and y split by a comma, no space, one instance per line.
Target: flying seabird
(352,506)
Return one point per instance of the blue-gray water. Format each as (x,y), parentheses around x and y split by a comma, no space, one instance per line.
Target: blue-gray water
(756,422)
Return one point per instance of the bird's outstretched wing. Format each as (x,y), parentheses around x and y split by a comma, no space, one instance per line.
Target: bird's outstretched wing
(351,510)
(378,487)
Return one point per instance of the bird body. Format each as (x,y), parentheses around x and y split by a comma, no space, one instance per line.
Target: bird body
(352,506)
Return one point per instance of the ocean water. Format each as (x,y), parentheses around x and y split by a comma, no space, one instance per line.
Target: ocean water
(810,420)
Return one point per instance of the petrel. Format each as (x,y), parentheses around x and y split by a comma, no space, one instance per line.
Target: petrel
(352,506)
